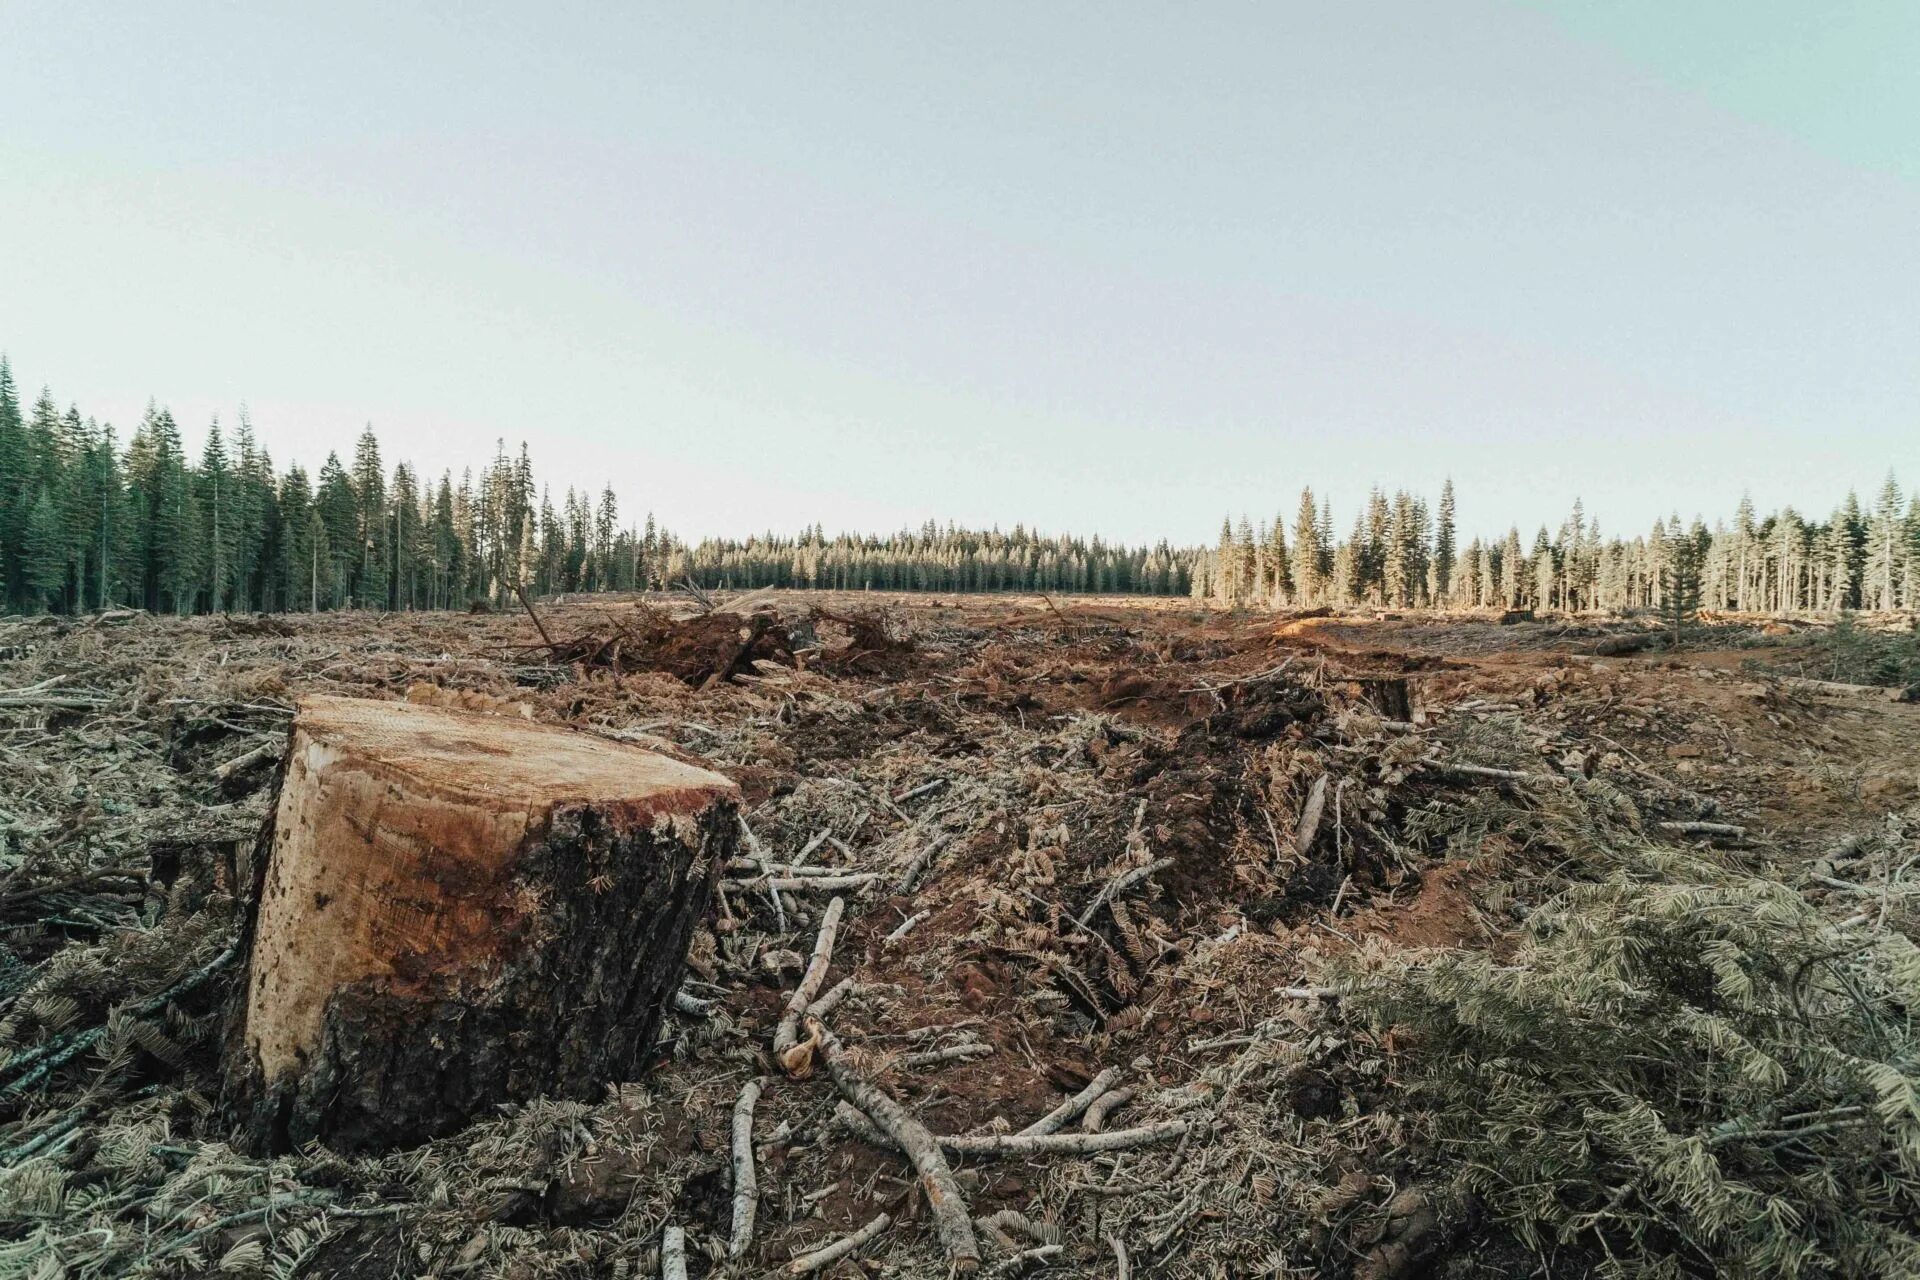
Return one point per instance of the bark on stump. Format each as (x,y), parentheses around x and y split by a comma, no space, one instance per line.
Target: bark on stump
(458,910)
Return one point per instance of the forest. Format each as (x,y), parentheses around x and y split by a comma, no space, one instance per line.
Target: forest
(88,524)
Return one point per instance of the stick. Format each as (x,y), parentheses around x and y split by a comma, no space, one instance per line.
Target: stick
(691,1005)
(1022,1144)
(673,1254)
(241,763)
(910,878)
(952,1053)
(786,1035)
(906,926)
(810,1262)
(1020,1261)
(1052,1144)
(759,856)
(1056,1119)
(801,884)
(1103,1106)
(746,1186)
(1309,824)
(944,1199)
(1122,1269)
(827,1003)
(538,625)
(1704,829)
(1120,884)
(924,789)
(1483,771)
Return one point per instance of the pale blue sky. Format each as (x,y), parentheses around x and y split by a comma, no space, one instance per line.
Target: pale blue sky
(1108,268)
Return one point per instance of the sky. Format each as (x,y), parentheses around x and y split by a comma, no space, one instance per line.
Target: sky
(1117,269)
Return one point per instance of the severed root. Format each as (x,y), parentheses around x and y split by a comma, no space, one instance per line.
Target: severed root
(810,1262)
(944,1198)
(746,1185)
(1056,1119)
(786,1035)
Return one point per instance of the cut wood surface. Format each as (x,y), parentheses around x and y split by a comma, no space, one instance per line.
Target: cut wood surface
(459,909)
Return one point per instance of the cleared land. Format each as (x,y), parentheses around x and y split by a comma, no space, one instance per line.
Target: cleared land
(1192,867)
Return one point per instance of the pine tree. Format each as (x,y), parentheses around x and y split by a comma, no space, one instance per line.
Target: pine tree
(43,553)
(1307,577)
(1443,546)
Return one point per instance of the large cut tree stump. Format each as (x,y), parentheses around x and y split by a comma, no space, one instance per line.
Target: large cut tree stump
(458,910)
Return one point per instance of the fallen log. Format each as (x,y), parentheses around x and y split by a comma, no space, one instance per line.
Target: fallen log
(456,910)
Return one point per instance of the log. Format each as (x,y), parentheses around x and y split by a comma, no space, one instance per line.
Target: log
(457,910)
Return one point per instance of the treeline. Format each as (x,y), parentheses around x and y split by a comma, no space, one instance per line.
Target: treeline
(87,524)
(1401,554)
(937,558)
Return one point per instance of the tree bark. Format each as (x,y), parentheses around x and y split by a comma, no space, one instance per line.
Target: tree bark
(457,910)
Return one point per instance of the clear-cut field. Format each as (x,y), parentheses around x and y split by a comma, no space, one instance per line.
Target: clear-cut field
(1073,837)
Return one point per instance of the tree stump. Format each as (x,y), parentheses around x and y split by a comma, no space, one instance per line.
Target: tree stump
(457,910)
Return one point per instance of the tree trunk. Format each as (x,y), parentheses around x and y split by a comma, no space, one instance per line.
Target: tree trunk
(456,910)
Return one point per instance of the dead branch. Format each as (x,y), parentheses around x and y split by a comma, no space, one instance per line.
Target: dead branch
(1120,884)
(1061,1115)
(1309,824)
(944,1199)
(673,1254)
(786,1035)
(1103,1106)
(746,1186)
(810,1262)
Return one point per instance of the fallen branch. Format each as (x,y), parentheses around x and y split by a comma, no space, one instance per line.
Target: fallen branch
(827,1003)
(1120,884)
(786,1035)
(944,1199)
(691,1005)
(952,1053)
(910,878)
(268,750)
(1060,1116)
(1705,829)
(1309,824)
(810,1262)
(1103,1106)
(906,926)
(1051,1144)
(673,1254)
(1021,1261)
(1486,771)
(855,1122)
(806,883)
(746,1186)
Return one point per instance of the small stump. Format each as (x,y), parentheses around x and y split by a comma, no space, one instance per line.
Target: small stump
(459,910)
